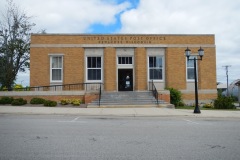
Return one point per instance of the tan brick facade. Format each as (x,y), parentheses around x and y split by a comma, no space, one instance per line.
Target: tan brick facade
(207,70)
(73,50)
(110,69)
(40,65)
(140,69)
(175,68)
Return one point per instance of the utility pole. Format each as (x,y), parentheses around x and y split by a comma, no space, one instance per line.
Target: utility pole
(226,67)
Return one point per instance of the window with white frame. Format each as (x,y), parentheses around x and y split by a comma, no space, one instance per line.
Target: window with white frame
(124,60)
(56,68)
(155,66)
(94,68)
(190,68)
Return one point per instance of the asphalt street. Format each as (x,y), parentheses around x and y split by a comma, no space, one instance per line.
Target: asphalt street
(56,137)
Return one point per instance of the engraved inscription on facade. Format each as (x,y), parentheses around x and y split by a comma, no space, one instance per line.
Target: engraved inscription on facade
(124,39)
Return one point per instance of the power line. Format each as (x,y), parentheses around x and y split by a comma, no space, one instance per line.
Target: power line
(226,67)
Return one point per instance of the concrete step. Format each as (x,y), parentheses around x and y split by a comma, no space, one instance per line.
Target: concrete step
(129,101)
(126,99)
(124,103)
(165,105)
(122,106)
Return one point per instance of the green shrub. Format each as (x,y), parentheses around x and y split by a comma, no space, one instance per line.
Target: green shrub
(18,87)
(6,100)
(175,96)
(4,88)
(37,101)
(50,103)
(76,102)
(181,104)
(65,101)
(235,98)
(224,103)
(208,105)
(19,102)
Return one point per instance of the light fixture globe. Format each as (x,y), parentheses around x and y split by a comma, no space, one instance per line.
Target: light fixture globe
(200,52)
(187,52)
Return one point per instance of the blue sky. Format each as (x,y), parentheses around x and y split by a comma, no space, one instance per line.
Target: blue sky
(112,28)
(219,17)
(115,27)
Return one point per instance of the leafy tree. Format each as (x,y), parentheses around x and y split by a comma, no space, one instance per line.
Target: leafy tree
(15,31)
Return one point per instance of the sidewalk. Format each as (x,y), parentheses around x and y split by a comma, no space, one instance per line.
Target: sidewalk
(133,112)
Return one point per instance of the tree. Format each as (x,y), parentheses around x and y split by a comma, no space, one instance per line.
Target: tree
(15,32)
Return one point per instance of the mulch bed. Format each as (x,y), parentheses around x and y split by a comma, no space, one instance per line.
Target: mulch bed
(41,105)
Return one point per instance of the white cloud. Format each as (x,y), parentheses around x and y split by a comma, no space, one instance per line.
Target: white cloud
(71,16)
(68,16)
(219,17)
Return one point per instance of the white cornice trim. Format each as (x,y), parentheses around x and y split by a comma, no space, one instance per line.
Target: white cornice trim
(83,34)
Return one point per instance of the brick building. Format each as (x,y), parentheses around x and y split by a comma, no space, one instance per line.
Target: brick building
(124,62)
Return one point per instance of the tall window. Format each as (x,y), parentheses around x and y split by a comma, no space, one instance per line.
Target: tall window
(190,68)
(56,68)
(94,68)
(155,68)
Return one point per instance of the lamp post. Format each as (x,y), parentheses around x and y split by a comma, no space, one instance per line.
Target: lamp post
(200,54)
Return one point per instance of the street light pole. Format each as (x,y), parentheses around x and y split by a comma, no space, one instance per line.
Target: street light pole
(200,53)
(227,77)
(196,110)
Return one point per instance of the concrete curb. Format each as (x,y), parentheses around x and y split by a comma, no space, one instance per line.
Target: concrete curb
(125,112)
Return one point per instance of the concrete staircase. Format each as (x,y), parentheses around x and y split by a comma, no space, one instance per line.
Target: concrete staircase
(126,99)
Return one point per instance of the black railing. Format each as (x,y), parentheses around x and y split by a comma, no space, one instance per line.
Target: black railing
(66,87)
(154,91)
(100,94)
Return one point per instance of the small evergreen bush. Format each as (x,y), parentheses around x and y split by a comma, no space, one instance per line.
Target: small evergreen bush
(224,103)
(6,100)
(19,102)
(175,97)
(50,103)
(37,101)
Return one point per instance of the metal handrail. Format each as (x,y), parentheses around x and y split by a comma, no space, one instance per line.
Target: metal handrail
(154,91)
(100,94)
(65,87)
